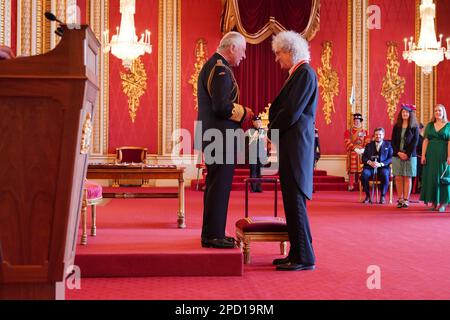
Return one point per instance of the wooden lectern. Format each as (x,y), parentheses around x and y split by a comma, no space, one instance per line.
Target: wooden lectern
(47,106)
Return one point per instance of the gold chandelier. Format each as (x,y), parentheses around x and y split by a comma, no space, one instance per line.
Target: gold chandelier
(429,51)
(125,44)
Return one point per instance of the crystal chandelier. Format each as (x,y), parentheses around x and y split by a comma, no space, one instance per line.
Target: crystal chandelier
(429,51)
(125,44)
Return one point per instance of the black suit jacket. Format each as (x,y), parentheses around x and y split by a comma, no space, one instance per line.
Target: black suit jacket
(217,91)
(385,155)
(411,141)
(293,113)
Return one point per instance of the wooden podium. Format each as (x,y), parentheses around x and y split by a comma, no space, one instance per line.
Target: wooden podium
(47,106)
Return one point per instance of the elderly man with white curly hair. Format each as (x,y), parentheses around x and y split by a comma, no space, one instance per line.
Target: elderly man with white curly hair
(292,115)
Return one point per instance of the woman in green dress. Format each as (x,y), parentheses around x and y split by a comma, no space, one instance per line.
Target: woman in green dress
(435,159)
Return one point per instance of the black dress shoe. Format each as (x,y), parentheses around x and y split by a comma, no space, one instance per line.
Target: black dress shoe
(219,243)
(280,261)
(290,266)
(367,200)
(231,239)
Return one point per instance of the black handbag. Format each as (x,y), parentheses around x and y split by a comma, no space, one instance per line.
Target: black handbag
(444,180)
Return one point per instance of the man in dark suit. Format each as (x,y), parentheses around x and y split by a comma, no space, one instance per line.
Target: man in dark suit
(219,112)
(292,115)
(377,156)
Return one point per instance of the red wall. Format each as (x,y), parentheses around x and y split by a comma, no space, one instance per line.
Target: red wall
(144,131)
(82,5)
(397,22)
(199,19)
(443,69)
(333,27)
(14,26)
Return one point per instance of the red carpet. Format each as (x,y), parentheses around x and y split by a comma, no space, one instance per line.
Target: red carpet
(139,237)
(409,246)
(322,181)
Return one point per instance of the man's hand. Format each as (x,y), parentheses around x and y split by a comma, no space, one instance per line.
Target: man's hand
(374,164)
(403,156)
(6,53)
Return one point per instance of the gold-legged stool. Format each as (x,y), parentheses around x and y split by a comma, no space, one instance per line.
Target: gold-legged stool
(91,197)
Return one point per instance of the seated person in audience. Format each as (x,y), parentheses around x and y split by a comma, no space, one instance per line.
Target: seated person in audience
(6,53)
(377,157)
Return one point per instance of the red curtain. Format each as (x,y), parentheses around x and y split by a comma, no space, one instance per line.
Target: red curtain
(259,76)
(292,14)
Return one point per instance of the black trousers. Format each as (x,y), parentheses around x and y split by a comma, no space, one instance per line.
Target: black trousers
(255,172)
(215,199)
(383,174)
(299,231)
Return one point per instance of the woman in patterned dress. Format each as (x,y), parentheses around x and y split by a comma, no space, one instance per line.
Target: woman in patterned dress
(405,136)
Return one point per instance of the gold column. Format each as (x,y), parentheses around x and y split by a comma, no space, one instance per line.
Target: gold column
(358,59)
(5,22)
(34,32)
(425,84)
(169,77)
(24,27)
(98,19)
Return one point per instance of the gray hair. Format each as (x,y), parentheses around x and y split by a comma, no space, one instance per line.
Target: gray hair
(231,38)
(294,43)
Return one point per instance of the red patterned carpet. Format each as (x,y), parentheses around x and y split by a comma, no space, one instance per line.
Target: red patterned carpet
(409,246)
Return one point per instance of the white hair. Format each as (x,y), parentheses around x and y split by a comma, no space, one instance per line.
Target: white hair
(294,43)
(231,38)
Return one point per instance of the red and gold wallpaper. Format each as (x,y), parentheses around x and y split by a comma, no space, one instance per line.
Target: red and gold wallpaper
(144,131)
(199,19)
(397,20)
(333,27)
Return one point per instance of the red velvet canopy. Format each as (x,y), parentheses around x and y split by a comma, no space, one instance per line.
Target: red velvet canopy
(259,76)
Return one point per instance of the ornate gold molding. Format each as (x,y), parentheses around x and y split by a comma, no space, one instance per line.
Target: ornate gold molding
(425,84)
(5,22)
(359,60)
(393,84)
(86,134)
(134,85)
(24,27)
(231,19)
(349,61)
(97,16)
(169,73)
(201,55)
(328,80)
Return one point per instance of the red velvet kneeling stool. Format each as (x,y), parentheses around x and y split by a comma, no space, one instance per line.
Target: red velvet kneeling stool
(261,228)
(92,196)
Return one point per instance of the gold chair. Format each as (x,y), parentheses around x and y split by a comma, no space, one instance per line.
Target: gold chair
(371,182)
(131,155)
(134,155)
(262,228)
(92,195)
